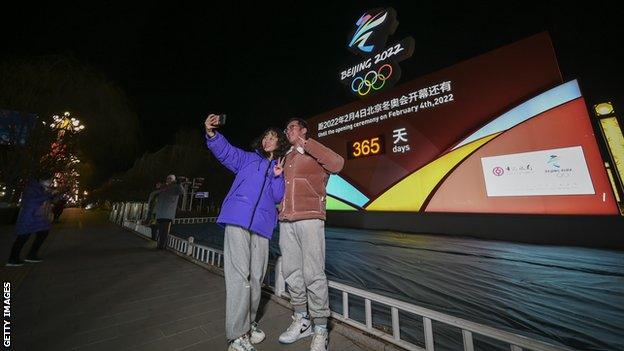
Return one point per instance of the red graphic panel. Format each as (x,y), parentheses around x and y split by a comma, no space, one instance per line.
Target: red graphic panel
(565,126)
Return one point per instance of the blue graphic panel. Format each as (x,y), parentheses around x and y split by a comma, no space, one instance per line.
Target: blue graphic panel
(340,188)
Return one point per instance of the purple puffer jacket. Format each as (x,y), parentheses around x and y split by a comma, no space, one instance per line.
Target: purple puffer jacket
(32,217)
(251,201)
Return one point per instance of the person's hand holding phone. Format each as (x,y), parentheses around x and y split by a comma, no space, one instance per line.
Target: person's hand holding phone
(210,124)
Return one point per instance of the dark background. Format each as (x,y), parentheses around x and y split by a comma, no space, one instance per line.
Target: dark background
(264,64)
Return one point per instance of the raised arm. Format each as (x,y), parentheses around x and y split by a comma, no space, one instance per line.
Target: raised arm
(150,199)
(326,157)
(230,156)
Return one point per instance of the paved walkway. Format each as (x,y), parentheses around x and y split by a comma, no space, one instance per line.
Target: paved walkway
(103,288)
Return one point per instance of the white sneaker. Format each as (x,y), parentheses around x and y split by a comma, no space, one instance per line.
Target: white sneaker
(298,329)
(320,340)
(241,344)
(14,264)
(257,335)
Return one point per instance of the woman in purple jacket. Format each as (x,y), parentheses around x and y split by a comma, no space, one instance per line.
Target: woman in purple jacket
(249,214)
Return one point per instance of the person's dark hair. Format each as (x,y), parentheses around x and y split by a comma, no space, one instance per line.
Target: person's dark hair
(282,143)
(302,123)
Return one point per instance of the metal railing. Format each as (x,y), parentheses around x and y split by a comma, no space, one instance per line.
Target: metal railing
(187,247)
(208,255)
(515,342)
(128,211)
(274,282)
(138,210)
(198,220)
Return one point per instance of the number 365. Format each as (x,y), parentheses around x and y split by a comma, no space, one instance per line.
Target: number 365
(366,147)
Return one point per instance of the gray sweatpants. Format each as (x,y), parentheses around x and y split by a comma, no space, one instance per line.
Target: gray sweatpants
(303,260)
(245,258)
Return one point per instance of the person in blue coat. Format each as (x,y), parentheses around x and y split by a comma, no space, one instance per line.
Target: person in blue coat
(33,219)
(249,214)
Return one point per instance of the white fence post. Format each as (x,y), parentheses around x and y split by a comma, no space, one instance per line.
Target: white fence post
(396,329)
(428,334)
(191,245)
(468,344)
(369,314)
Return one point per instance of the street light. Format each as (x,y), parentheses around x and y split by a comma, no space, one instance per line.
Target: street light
(66,123)
(73,159)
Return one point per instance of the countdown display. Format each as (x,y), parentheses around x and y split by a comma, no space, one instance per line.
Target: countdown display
(366,147)
(499,133)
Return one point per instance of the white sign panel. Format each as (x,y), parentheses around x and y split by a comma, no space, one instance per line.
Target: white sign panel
(547,172)
(201,195)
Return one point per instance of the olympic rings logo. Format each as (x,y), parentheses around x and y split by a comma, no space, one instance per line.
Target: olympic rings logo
(372,80)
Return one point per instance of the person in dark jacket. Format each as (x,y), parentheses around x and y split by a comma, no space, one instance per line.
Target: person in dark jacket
(151,213)
(166,208)
(33,219)
(249,214)
(57,208)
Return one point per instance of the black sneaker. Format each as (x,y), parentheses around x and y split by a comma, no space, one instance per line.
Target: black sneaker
(33,259)
(14,263)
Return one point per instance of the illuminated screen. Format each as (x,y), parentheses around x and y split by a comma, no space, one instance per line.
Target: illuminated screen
(499,133)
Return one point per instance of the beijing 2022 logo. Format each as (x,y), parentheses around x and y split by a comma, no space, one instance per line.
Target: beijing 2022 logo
(378,66)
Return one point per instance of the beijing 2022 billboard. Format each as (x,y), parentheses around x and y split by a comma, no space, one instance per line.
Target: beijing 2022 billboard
(499,133)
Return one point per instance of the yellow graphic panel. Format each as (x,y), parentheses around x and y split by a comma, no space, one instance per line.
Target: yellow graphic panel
(615,142)
(411,192)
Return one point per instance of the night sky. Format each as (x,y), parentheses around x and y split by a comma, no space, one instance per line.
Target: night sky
(264,64)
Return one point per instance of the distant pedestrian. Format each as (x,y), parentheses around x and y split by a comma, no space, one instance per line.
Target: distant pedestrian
(34,219)
(166,208)
(150,219)
(58,207)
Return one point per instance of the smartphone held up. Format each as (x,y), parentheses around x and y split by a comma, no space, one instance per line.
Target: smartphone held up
(214,121)
(222,118)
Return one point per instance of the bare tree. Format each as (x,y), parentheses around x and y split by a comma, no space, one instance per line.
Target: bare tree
(53,84)
(188,157)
